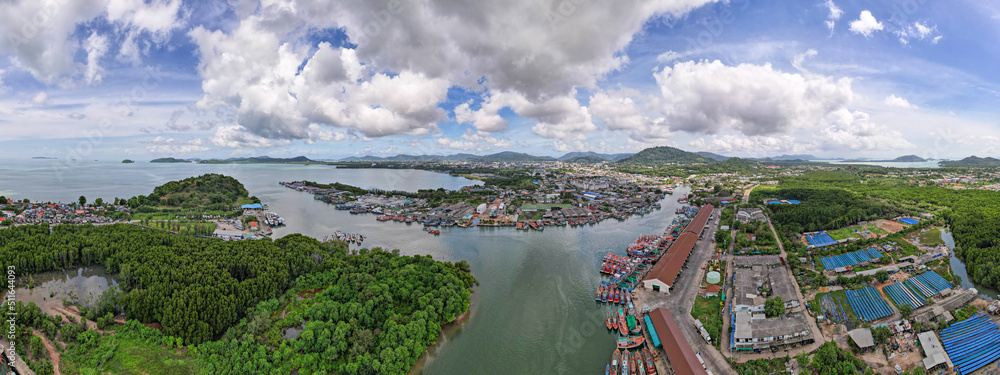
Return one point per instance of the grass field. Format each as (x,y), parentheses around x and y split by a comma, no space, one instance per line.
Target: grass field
(930,237)
(127,353)
(842,233)
(709,311)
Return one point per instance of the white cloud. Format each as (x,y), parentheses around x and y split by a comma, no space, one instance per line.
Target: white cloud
(40,99)
(76,116)
(37,34)
(538,49)
(866,24)
(161,145)
(235,136)
(856,131)
(709,97)
(895,101)
(919,30)
(800,58)
(96,46)
(522,54)
(835,13)
(668,57)
(621,112)
(753,145)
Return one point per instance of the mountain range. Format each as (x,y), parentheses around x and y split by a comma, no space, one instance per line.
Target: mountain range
(506,156)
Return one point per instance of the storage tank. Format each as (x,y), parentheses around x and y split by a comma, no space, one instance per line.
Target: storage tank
(714,278)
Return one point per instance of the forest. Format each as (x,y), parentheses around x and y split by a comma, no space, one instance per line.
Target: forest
(195,287)
(373,313)
(972,215)
(368,312)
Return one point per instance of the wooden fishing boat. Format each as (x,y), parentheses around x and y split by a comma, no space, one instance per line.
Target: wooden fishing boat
(630,342)
(633,364)
(615,359)
(650,368)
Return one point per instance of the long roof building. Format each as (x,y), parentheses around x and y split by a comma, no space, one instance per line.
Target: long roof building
(665,272)
(682,358)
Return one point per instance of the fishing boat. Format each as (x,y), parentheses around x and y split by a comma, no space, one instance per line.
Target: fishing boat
(607,320)
(604,297)
(600,290)
(622,326)
(614,359)
(630,342)
(650,368)
(607,369)
(633,367)
(624,361)
(617,296)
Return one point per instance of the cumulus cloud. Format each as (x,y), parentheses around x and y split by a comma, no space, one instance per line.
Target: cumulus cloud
(536,48)
(622,113)
(138,18)
(254,71)
(709,97)
(525,55)
(866,24)
(161,145)
(895,101)
(37,34)
(856,131)
(96,46)
(835,13)
(730,143)
(235,136)
(77,116)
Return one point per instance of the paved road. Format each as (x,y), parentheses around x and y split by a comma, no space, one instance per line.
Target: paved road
(682,296)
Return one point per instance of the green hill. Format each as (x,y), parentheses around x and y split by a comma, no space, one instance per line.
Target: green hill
(665,155)
(204,190)
(589,159)
(510,156)
(972,161)
(169,160)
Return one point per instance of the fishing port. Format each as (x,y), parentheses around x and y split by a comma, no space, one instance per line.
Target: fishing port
(642,330)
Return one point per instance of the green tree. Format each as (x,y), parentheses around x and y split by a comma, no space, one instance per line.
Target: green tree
(774,307)
(882,276)
(881,334)
(905,310)
(83,200)
(99,202)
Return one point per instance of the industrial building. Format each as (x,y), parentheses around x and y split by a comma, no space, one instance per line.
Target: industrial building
(663,275)
(788,330)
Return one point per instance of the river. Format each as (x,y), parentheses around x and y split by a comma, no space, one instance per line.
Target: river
(533,312)
(958,269)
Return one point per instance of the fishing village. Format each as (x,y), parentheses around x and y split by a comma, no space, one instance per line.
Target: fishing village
(552,201)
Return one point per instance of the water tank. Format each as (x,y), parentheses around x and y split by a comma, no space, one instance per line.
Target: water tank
(714,277)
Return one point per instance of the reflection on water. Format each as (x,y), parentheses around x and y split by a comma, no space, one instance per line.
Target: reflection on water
(958,268)
(82,285)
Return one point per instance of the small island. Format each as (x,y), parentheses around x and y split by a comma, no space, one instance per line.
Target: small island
(128,161)
(169,160)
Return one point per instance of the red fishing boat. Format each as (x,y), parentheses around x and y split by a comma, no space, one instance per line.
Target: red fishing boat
(631,342)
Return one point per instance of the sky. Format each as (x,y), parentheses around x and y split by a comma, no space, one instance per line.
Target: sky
(142,79)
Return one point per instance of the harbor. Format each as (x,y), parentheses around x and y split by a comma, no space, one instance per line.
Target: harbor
(636,346)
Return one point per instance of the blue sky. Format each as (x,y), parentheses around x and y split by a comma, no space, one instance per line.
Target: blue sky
(152,78)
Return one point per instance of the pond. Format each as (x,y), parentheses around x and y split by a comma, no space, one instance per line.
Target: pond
(83,285)
(958,268)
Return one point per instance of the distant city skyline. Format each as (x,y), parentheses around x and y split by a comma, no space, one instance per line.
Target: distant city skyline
(100,79)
